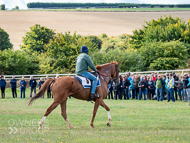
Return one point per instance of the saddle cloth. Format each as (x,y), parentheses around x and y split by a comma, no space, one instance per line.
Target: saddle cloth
(86,83)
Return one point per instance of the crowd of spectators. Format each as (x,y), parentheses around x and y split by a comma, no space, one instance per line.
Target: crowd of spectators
(151,87)
(23,84)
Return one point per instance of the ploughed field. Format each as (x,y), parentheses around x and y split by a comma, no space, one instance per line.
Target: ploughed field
(17,23)
(132,121)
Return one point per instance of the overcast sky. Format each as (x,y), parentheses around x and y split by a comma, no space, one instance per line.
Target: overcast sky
(22,3)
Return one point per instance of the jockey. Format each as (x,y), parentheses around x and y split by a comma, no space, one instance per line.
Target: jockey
(82,63)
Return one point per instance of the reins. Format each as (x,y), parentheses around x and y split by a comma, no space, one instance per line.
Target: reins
(105,76)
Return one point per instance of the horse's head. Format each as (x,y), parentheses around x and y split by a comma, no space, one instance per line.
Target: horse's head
(115,73)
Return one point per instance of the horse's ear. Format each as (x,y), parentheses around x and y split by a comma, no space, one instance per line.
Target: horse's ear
(118,63)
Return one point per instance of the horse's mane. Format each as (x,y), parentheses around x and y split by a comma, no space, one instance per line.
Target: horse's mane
(100,67)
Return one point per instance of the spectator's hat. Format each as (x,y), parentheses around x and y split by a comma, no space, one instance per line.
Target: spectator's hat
(173,73)
(185,74)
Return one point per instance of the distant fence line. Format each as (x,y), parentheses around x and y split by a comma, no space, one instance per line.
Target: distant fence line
(38,76)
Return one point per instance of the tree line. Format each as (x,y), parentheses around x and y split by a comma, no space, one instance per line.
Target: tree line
(84,5)
(161,44)
(46,5)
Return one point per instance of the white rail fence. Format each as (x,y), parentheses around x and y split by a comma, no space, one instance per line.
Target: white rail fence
(38,76)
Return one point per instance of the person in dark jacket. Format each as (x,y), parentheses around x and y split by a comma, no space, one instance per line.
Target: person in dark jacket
(186,88)
(151,88)
(40,84)
(2,86)
(49,90)
(136,88)
(13,83)
(126,88)
(176,79)
(124,94)
(119,88)
(159,83)
(32,84)
(143,85)
(110,89)
(180,86)
(22,87)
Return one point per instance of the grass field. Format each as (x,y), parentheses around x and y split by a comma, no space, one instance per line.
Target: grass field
(132,121)
(118,9)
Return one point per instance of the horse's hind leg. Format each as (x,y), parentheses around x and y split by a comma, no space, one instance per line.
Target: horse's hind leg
(108,110)
(64,114)
(97,104)
(48,111)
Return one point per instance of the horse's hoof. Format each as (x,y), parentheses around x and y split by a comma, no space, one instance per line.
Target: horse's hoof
(72,127)
(108,124)
(92,125)
(40,128)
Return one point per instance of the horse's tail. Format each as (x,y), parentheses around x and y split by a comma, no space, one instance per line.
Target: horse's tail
(41,92)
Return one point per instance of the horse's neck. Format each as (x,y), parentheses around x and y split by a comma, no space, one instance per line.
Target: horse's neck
(106,70)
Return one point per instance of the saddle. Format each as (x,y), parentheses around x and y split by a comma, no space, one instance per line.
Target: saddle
(87,83)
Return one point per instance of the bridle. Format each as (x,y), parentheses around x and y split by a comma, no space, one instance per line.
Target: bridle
(116,72)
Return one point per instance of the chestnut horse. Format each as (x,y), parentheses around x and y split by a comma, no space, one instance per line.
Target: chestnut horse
(69,86)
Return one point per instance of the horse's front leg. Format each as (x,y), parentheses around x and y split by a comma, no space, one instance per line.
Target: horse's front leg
(97,104)
(108,110)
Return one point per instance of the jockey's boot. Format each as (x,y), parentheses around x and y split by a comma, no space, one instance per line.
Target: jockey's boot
(93,95)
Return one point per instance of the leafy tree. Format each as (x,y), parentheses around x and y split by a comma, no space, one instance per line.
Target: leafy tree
(102,36)
(95,40)
(16,7)
(162,6)
(62,52)
(115,43)
(171,5)
(165,56)
(17,62)
(163,29)
(183,5)
(37,38)
(124,36)
(4,40)
(2,7)
(129,61)
(151,6)
(120,6)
